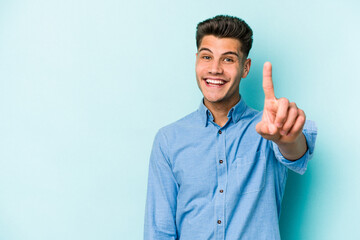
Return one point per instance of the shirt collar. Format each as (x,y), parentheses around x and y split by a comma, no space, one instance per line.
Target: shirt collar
(234,114)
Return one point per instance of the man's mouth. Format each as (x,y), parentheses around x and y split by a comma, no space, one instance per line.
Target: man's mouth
(214,82)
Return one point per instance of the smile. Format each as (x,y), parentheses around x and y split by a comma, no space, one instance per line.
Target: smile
(214,82)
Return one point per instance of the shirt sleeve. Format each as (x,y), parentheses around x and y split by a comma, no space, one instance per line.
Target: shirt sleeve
(160,210)
(300,165)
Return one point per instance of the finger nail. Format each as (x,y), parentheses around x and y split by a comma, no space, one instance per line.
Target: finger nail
(279,125)
(282,132)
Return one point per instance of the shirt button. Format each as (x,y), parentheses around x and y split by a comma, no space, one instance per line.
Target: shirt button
(221,190)
(219,221)
(219,132)
(221,161)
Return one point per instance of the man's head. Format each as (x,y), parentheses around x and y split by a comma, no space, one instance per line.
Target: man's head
(223,26)
(223,44)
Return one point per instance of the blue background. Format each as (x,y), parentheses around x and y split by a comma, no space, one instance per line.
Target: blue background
(85,85)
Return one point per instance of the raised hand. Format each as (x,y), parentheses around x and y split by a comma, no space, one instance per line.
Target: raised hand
(282,121)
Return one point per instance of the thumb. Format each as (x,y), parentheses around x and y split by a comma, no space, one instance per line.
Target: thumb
(264,128)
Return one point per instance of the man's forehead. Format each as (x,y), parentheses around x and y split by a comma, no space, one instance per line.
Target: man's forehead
(215,44)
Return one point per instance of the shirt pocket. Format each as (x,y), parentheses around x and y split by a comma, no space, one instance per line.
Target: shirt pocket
(250,171)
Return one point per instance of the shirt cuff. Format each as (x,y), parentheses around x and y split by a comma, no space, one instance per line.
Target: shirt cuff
(300,165)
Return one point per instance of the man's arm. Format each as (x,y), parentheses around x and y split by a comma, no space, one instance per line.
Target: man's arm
(282,121)
(295,150)
(161,194)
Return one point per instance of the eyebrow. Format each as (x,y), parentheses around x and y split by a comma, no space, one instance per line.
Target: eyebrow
(225,53)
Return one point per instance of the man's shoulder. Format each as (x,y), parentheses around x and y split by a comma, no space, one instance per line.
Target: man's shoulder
(251,114)
(189,121)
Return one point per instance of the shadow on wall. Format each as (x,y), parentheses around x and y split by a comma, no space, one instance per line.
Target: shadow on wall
(294,206)
(297,205)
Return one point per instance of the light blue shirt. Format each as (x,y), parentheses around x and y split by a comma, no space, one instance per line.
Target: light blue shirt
(212,182)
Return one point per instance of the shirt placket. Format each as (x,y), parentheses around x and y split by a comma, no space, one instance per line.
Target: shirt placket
(221,186)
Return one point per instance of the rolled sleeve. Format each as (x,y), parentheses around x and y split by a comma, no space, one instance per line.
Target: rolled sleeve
(300,165)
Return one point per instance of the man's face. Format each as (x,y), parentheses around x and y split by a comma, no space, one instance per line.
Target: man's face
(219,67)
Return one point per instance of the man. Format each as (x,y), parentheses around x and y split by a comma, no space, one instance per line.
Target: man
(220,172)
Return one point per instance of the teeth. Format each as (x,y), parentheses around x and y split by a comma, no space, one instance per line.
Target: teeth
(215,81)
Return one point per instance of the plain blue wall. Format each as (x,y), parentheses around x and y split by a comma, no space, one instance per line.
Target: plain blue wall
(85,85)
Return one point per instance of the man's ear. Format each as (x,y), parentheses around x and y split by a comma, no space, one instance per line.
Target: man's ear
(247,65)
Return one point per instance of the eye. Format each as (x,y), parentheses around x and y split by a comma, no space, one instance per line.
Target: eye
(206,57)
(228,60)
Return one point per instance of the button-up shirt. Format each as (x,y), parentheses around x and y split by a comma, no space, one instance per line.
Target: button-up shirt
(212,182)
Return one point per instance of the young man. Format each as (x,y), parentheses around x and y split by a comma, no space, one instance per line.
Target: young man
(220,172)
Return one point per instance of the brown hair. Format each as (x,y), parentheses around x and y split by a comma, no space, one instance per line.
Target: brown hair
(224,26)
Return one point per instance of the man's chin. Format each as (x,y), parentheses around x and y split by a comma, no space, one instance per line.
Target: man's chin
(214,100)
(221,99)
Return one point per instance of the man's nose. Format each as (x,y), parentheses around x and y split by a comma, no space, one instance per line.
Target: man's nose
(215,68)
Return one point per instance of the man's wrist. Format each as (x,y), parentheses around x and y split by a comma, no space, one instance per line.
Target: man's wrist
(293,150)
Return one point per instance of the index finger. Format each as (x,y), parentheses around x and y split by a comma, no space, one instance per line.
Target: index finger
(267,81)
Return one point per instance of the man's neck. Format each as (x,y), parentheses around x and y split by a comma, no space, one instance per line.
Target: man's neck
(220,110)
